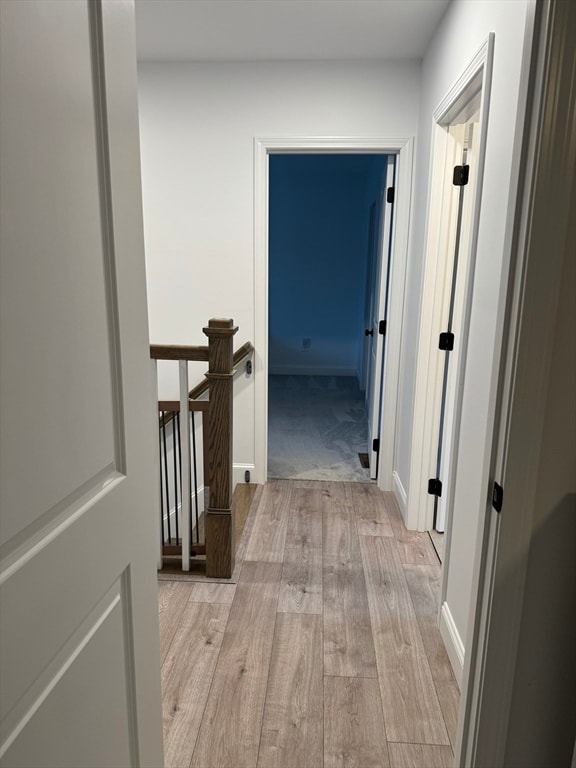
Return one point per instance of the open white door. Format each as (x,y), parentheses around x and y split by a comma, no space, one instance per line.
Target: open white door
(79,652)
(377,330)
(458,209)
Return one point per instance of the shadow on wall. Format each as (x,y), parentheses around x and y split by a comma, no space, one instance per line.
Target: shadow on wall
(546,663)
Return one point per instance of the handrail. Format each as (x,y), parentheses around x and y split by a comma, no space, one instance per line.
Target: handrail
(178,352)
(171,407)
(174,352)
(244,351)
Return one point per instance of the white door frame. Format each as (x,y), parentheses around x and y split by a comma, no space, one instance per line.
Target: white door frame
(263,147)
(419,509)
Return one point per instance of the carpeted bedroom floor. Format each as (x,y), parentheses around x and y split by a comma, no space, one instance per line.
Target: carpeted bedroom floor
(317,426)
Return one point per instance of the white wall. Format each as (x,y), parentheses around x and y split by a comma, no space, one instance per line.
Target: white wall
(461,33)
(198,123)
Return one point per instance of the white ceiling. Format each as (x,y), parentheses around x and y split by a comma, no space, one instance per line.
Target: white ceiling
(259,30)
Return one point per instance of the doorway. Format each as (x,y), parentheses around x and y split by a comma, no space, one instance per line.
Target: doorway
(324,275)
(457,218)
(264,148)
(454,207)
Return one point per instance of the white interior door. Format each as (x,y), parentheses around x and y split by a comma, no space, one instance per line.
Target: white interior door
(369,298)
(379,304)
(79,652)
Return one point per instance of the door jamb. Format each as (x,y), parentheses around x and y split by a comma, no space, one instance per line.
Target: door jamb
(263,147)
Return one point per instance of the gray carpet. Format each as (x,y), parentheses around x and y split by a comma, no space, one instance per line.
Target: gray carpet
(316,428)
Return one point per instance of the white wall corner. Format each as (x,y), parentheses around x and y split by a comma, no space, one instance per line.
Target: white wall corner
(452,642)
(399,493)
(310,370)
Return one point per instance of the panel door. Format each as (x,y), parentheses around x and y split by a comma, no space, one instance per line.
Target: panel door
(79,651)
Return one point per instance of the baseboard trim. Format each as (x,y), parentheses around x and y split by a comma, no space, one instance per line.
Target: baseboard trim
(399,493)
(294,370)
(239,472)
(452,642)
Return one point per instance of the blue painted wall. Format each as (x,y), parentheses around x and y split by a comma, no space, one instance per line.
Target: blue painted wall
(319,220)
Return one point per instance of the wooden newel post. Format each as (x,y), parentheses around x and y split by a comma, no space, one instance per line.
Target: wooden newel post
(220,512)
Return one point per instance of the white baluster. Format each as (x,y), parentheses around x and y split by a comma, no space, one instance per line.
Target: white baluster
(185,454)
(157,465)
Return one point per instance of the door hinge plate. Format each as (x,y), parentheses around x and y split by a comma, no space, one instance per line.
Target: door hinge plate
(434,487)
(376,444)
(461,175)
(446,341)
(382,327)
(497,497)
(390,195)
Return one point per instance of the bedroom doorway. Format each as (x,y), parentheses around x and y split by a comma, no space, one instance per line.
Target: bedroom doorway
(327,233)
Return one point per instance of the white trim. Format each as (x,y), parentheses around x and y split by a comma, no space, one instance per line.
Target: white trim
(429,364)
(238,472)
(177,509)
(157,459)
(450,105)
(452,642)
(399,493)
(397,291)
(185,459)
(238,477)
(404,148)
(306,370)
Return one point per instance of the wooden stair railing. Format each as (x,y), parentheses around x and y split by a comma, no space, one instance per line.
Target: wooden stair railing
(242,352)
(219,522)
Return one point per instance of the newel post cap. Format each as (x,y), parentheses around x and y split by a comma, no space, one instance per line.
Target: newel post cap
(220,326)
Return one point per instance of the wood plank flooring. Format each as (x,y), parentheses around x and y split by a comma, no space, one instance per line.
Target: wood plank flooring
(325,654)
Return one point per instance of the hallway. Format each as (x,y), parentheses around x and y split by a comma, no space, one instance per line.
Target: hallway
(325,654)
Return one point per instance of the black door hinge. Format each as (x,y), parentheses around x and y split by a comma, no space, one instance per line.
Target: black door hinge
(434,487)
(446,341)
(461,175)
(390,195)
(382,327)
(497,497)
(376,444)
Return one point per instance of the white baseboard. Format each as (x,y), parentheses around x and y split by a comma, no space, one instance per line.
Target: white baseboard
(453,643)
(174,510)
(238,476)
(239,473)
(399,493)
(309,370)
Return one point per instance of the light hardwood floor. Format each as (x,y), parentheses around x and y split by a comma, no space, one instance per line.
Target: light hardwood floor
(324,654)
